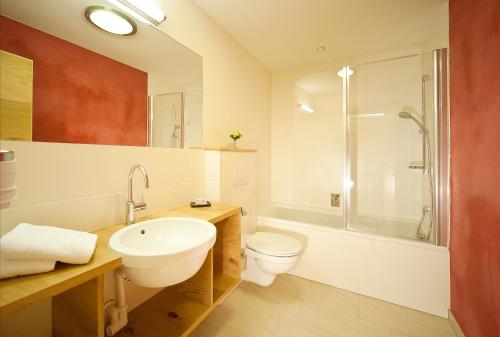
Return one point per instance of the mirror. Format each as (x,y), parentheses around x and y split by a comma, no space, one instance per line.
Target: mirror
(65,80)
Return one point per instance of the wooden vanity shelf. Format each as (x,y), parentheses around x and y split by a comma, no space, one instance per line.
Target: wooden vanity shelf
(177,310)
(77,292)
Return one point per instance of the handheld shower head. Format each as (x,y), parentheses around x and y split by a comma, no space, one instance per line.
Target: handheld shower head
(407,115)
(404,115)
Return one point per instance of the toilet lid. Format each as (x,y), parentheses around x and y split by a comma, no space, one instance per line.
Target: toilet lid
(274,244)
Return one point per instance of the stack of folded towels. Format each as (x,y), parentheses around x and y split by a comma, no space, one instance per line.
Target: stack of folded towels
(30,249)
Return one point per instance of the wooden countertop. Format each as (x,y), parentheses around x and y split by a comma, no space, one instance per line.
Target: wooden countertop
(211,214)
(20,292)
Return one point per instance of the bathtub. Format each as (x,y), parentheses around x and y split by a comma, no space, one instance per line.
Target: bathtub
(406,272)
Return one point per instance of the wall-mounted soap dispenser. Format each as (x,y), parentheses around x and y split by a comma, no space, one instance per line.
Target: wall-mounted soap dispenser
(7,178)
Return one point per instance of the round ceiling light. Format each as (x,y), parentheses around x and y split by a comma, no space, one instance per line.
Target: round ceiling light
(110,20)
(345,70)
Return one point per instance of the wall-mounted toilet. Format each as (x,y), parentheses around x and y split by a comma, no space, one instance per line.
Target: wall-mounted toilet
(270,254)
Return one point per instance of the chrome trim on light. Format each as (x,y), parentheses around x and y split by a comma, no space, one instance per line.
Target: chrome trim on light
(141,12)
(89,10)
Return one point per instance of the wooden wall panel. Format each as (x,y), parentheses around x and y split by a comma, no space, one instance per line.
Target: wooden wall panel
(16,96)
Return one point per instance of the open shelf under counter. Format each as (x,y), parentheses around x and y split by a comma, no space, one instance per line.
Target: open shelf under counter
(169,313)
(223,286)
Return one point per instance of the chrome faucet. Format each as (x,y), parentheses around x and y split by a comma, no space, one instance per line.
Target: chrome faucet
(133,206)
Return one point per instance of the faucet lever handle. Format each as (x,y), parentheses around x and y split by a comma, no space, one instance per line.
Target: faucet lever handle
(139,206)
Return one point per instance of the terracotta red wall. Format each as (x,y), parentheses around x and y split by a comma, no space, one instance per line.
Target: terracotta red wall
(79,96)
(475,165)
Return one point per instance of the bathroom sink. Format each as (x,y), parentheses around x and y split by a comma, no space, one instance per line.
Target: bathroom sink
(165,251)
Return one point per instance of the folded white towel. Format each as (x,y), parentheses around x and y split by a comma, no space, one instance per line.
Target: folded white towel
(29,242)
(11,268)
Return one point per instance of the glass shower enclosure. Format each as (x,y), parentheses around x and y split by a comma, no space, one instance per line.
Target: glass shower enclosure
(372,139)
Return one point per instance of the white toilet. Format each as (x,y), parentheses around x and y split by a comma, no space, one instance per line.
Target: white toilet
(270,254)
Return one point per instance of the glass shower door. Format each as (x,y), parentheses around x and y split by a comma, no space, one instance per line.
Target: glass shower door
(317,157)
(386,148)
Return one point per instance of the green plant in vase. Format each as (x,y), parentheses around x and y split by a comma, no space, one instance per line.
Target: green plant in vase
(235,135)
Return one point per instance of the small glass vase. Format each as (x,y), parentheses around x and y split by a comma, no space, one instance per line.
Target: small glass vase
(234,144)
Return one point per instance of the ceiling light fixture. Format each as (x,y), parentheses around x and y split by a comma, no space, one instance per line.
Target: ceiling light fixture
(306,108)
(110,20)
(342,72)
(142,10)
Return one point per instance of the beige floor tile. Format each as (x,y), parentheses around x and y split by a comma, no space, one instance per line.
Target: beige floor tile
(267,299)
(295,307)
(403,320)
(334,323)
(395,333)
(237,320)
(205,329)
(325,297)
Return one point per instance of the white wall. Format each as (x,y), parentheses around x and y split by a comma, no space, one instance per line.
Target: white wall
(231,177)
(236,87)
(84,187)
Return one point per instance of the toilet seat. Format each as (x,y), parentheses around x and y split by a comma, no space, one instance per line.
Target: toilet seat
(274,244)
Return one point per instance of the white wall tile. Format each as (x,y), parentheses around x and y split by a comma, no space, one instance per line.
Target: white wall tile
(85,186)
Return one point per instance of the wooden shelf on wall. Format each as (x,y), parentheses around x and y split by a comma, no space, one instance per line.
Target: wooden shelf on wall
(224,149)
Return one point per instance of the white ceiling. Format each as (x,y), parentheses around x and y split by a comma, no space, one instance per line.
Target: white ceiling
(321,83)
(284,34)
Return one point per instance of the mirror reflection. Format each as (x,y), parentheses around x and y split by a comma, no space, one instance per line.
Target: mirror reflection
(64,79)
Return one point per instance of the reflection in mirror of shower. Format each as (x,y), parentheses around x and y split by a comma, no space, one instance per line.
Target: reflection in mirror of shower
(175,127)
(426,164)
(167,120)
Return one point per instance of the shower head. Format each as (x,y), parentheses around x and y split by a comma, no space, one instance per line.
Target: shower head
(407,115)
(404,115)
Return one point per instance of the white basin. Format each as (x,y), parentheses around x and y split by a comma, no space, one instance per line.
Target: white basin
(165,251)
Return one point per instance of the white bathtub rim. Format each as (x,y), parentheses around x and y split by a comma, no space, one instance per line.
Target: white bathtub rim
(268,220)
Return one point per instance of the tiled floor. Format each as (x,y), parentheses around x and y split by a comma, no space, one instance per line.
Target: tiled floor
(294,307)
